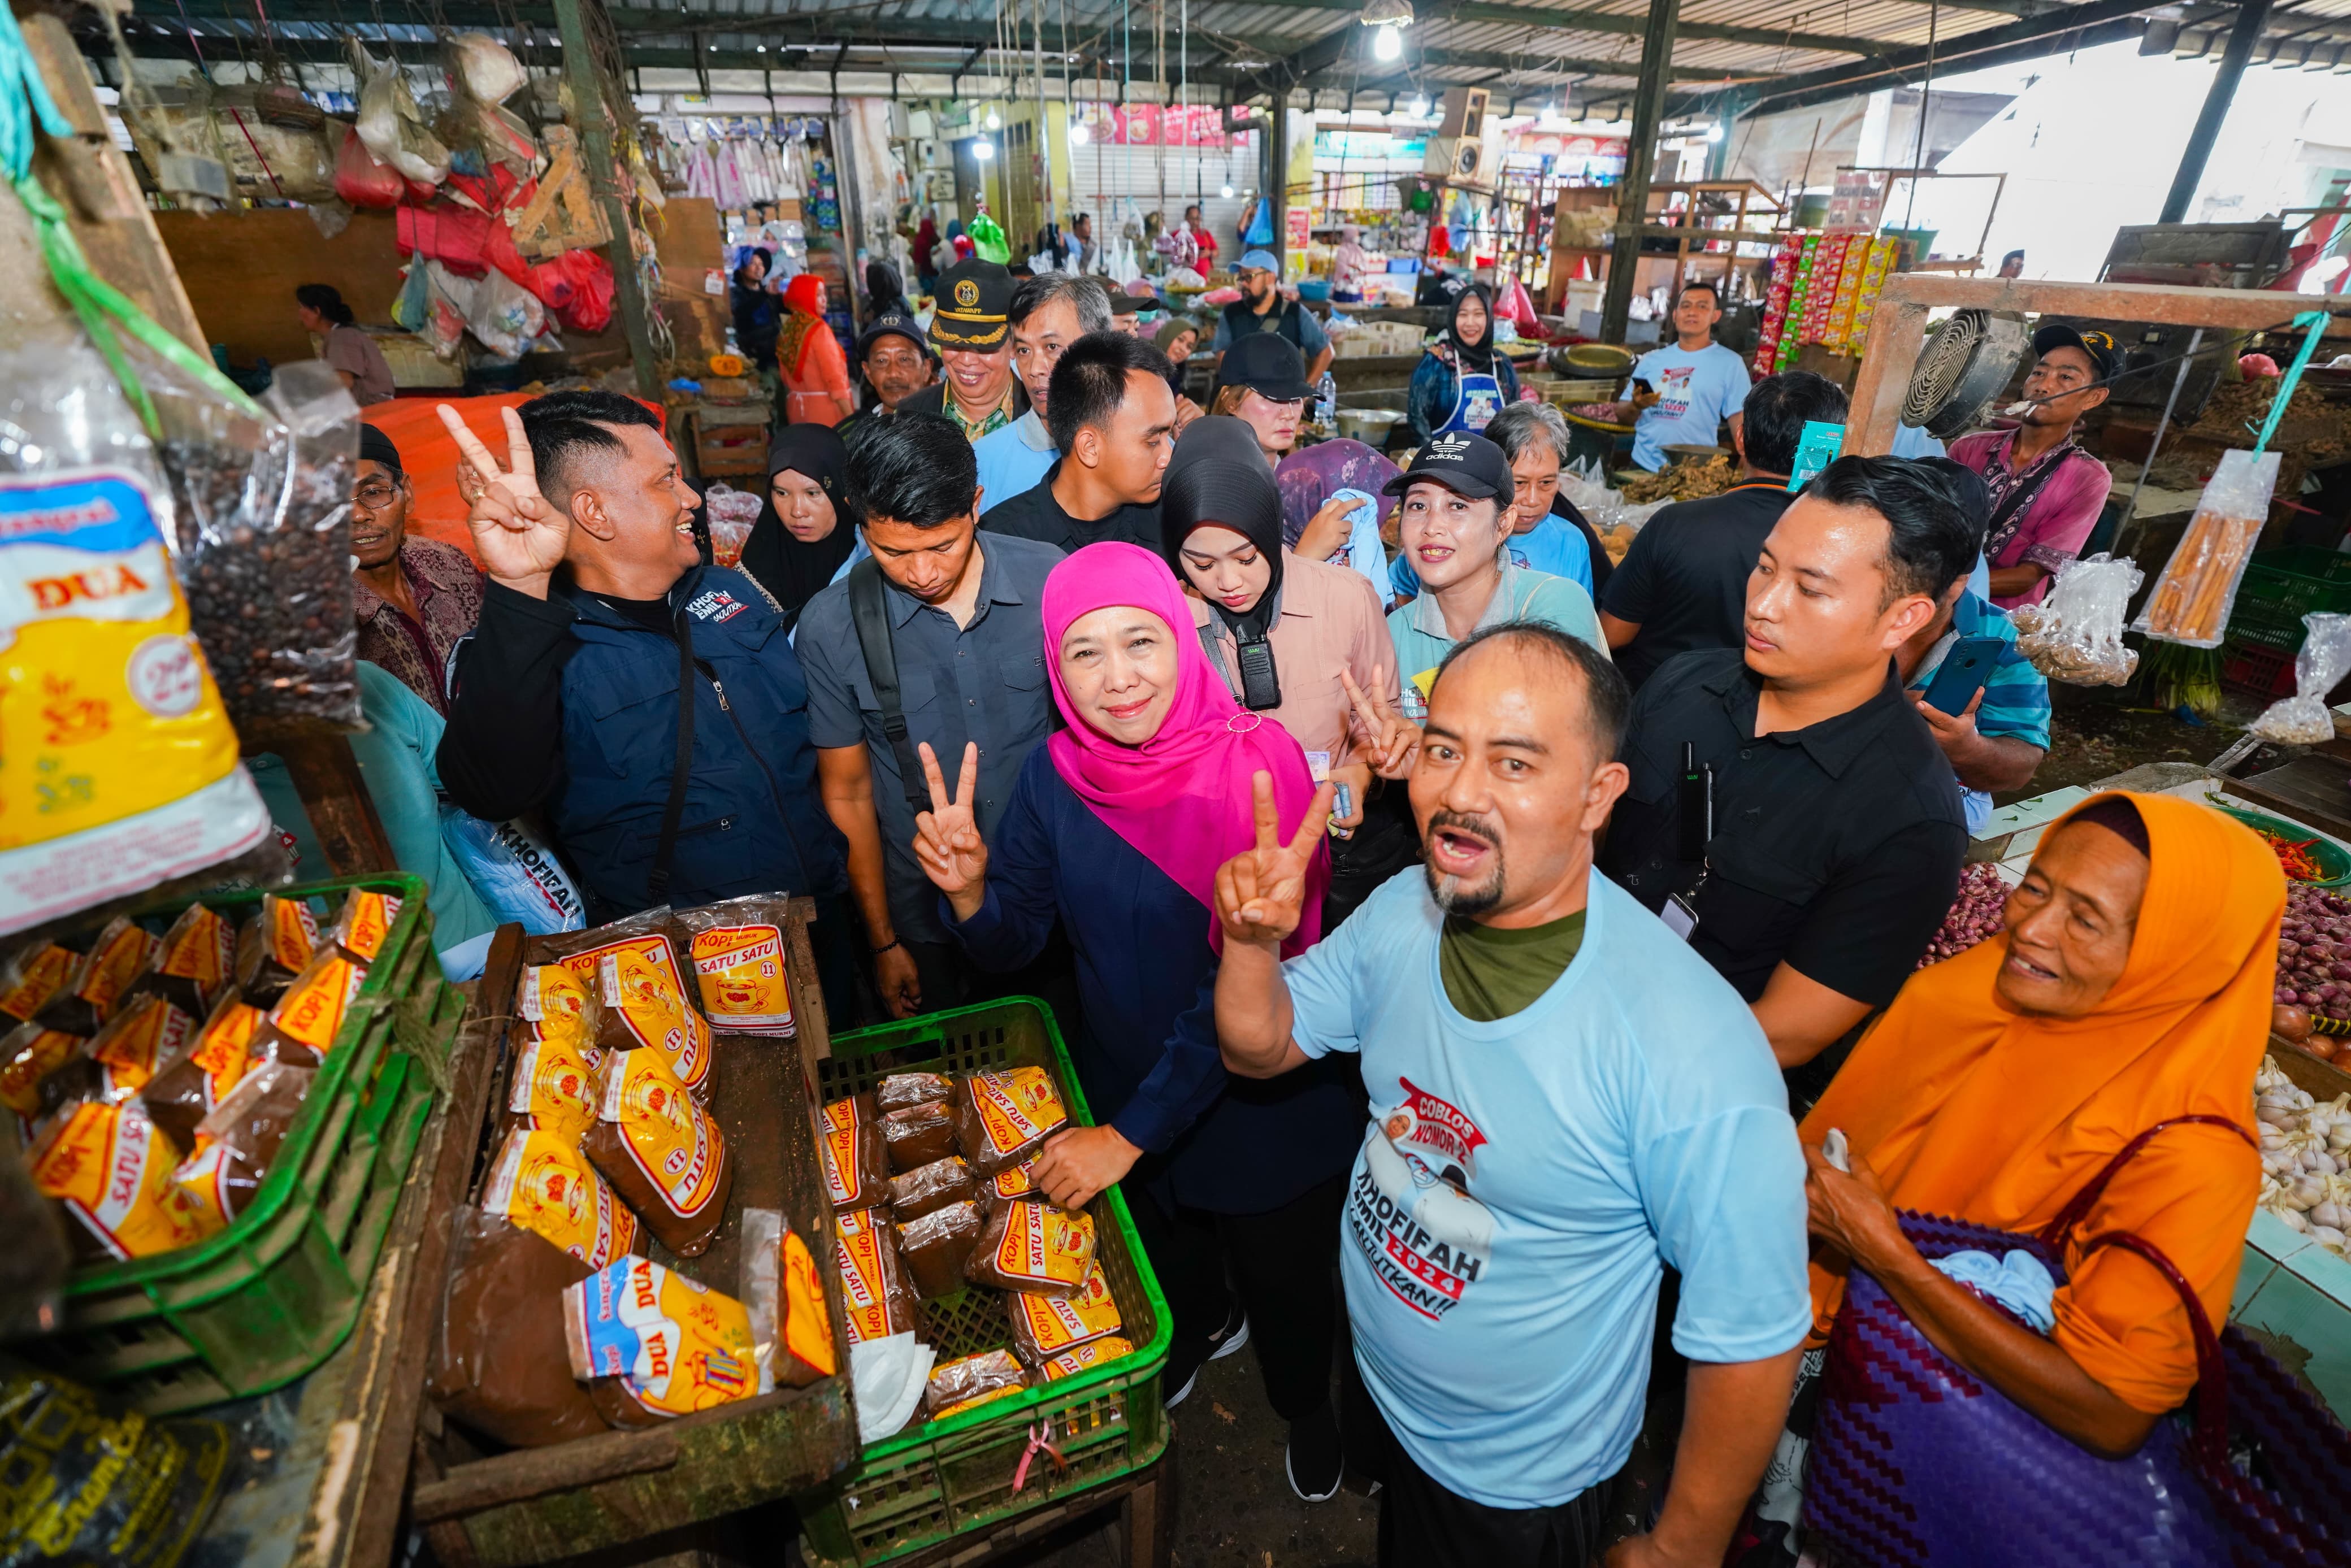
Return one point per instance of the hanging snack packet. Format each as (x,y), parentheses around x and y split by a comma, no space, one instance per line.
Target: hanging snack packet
(502,1364)
(110,1167)
(918,1135)
(29,1053)
(237,1144)
(192,1084)
(632,970)
(543,1184)
(121,952)
(363,922)
(1044,1326)
(274,946)
(122,1057)
(856,1165)
(1030,1245)
(553,1089)
(557,1005)
(1002,1117)
(929,1189)
(302,1026)
(901,1089)
(874,1296)
(737,948)
(2197,589)
(661,1151)
(937,1247)
(971,1381)
(32,975)
(1085,1357)
(653,1345)
(196,962)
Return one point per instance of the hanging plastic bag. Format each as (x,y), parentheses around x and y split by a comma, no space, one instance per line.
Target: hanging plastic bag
(2075,634)
(586,279)
(413,307)
(505,316)
(362,179)
(988,240)
(2192,599)
(447,300)
(487,68)
(1261,225)
(2303,718)
(394,131)
(732,514)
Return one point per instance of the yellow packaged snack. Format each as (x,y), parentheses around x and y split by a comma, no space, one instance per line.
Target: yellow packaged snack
(737,949)
(363,922)
(197,960)
(1070,1363)
(661,1152)
(119,956)
(653,1345)
(29,1053)
(556,1005)
(32,975)
(1043,1326)
(118,765)
(110,1167)
(552,1088)
(139,1039)
(874,1296)
(310,1014)
(543,1184)
(275,946)
(190,1085)
(635,982)
(1011,1182)
(1001,1117)
(1031,1246)
(806,1353)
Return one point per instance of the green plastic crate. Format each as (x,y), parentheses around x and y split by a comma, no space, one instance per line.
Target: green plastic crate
(2282,586)
(937,1481)
(265,1301)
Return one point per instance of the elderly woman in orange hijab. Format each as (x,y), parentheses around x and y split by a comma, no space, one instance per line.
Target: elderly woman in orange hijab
(2131,991)
(815,371)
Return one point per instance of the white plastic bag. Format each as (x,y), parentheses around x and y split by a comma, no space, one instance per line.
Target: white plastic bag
(392,128)
(2075,634)
(732,514)
(2192,599)
(505,316)
(2303,718)
(486,67)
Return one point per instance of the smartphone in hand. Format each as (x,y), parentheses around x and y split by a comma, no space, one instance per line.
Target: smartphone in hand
(1964,669)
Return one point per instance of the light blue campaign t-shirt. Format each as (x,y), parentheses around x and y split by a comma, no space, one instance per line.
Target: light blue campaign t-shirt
(1556,545)
(1524,1183)
(1696,393)
(1013,459)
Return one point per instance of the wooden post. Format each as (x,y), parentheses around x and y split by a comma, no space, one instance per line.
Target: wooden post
(587,102)
(1640,157)
(2250,15)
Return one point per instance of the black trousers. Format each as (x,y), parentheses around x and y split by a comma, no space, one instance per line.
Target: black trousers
(1385,843)
(1279,1262)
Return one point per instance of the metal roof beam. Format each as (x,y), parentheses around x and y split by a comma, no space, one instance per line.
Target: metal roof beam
(1572,20)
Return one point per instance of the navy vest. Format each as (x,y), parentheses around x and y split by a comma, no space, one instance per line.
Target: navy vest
(1283,322)
(753,821)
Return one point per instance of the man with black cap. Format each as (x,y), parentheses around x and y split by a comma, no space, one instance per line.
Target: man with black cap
(1114,421)
(412,599)
(894,356)
(2046,492)
(973,333)
(1455,524)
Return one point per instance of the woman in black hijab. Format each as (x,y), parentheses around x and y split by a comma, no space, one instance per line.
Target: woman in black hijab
(1461,383)
(808,526)
(757,318)
(884,291)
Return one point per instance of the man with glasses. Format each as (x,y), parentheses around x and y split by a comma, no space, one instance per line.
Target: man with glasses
(412,599)
(1262,308)
(2046,492)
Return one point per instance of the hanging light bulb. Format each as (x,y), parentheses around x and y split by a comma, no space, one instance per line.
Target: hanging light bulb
(762,48)
(1226,192)
(984,150)
(1388,43)
(1079,134)
(995,121)
(1419,106)
(1714,131)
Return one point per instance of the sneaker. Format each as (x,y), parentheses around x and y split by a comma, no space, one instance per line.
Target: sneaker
(1314,1460)
(1232,1337)
(1185,1359)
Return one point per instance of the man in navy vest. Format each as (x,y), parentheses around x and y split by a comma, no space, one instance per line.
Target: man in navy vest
(598,613)
(1262,308)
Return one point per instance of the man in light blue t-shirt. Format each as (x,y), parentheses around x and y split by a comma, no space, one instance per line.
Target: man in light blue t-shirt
(1698,382)
(1049,313)
(1565,1099)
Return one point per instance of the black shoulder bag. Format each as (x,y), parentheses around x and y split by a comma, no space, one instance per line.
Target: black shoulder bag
(657,885)
(869,611)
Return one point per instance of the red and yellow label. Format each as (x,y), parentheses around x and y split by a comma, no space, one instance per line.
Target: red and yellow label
(29,1054)
(1015,1107)
(638,977)
(808,1327)
(542,1184)
(365,921)
(1084,1358)
(313,1008)
(554,1089)
(740,969)
(1045,1248)
(844,1172)
(111,1169)
(289,932)
(555,1000)
(1015,1181)
(202,1179)
(223,1050)
(36,978)
(671,1140)
(865,1298)
(677,1345)
(199,946)
(1057,1323)
(122,951)
(141,1039)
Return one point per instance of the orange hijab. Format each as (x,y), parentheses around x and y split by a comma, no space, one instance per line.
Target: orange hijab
(1969,1109)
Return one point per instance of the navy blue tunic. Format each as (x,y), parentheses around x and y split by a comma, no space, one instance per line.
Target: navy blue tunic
(1146,1049)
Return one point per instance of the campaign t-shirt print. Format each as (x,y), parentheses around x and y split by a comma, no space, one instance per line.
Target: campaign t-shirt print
(1410,1212)
(1674,396)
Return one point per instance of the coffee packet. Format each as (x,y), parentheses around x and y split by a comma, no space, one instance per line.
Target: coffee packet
(123,1057)
(1084,1358)
(274,946)
(791,1323)
(1044,1326)
(661,1151)
(543,1184)
(117,957)
(309,1014)
(901,1089)
(971,1381)
(553,1089)
(736,948)
(918,1135)
(1011,1182)
(502,1363)
(1004,1116)
(937,1247)
(236,1145)
(929,1189)
(32,975)
(192,1085)
(652,1346)
(364,923)
(28,1053)
(876,1300)
(555,1004)
(195,962)
(856,1165)
(109,1167)
(1030,1245)
(632,969)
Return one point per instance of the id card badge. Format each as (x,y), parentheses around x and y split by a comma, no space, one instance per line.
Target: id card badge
(1318,763)
(1679,918)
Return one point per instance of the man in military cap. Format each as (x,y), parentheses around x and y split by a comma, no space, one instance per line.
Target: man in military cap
(973,334)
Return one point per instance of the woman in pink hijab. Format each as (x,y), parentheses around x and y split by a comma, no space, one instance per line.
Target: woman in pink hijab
(1116,828)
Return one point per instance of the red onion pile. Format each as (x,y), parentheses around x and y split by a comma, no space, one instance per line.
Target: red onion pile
(2315,952)
(1975,914)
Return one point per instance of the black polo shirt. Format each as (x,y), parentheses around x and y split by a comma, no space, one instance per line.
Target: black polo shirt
(1684,580)
(1034,514)
(1837,847)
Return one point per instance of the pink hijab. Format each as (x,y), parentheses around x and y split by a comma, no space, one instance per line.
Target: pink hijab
(1182,798)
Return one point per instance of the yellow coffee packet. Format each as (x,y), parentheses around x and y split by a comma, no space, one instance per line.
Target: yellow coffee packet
(737,949)
(542,1183)
(137,1041)
(1031,1246)
(312,1010)
(635,981)
(29,1053)
(1001,1117)
(876,1299)
(553,1089)
(1084,1357)
(31,976)
(1043,1326)
(556,1005)
(672,1346)
(661,1151)
(110,1167)
(807,1351)
(364,923)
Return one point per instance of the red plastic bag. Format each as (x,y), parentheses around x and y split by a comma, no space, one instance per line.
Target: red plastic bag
(578,287)
(361,180)
(460,240)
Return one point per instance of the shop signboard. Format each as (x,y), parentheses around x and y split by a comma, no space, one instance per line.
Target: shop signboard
(1149,125)
(1302,228)
(1857,204)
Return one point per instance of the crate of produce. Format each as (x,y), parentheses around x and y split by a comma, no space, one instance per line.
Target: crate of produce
(2264,671)
(2333,862)
(2282,586)
(940,1480)
(263,1302)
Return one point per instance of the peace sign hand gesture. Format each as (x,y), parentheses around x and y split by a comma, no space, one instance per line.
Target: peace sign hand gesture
(1261,892)
(946,837)
(518,532)
(1395,739)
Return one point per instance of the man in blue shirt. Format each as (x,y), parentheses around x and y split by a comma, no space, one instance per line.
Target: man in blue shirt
(1262,308)
(1693,386)
(1565,1099)
(1049,313)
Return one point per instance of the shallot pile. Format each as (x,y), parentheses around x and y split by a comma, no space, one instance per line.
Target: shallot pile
(2314,977)
(2305,1158)
(1975,914)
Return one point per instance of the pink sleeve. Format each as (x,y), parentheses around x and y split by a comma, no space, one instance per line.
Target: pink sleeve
(2061,516)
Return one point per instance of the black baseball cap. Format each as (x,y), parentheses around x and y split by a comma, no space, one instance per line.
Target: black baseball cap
(1464,464)
(2099,346)
(1269,363)
(975,307)
(887,323)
